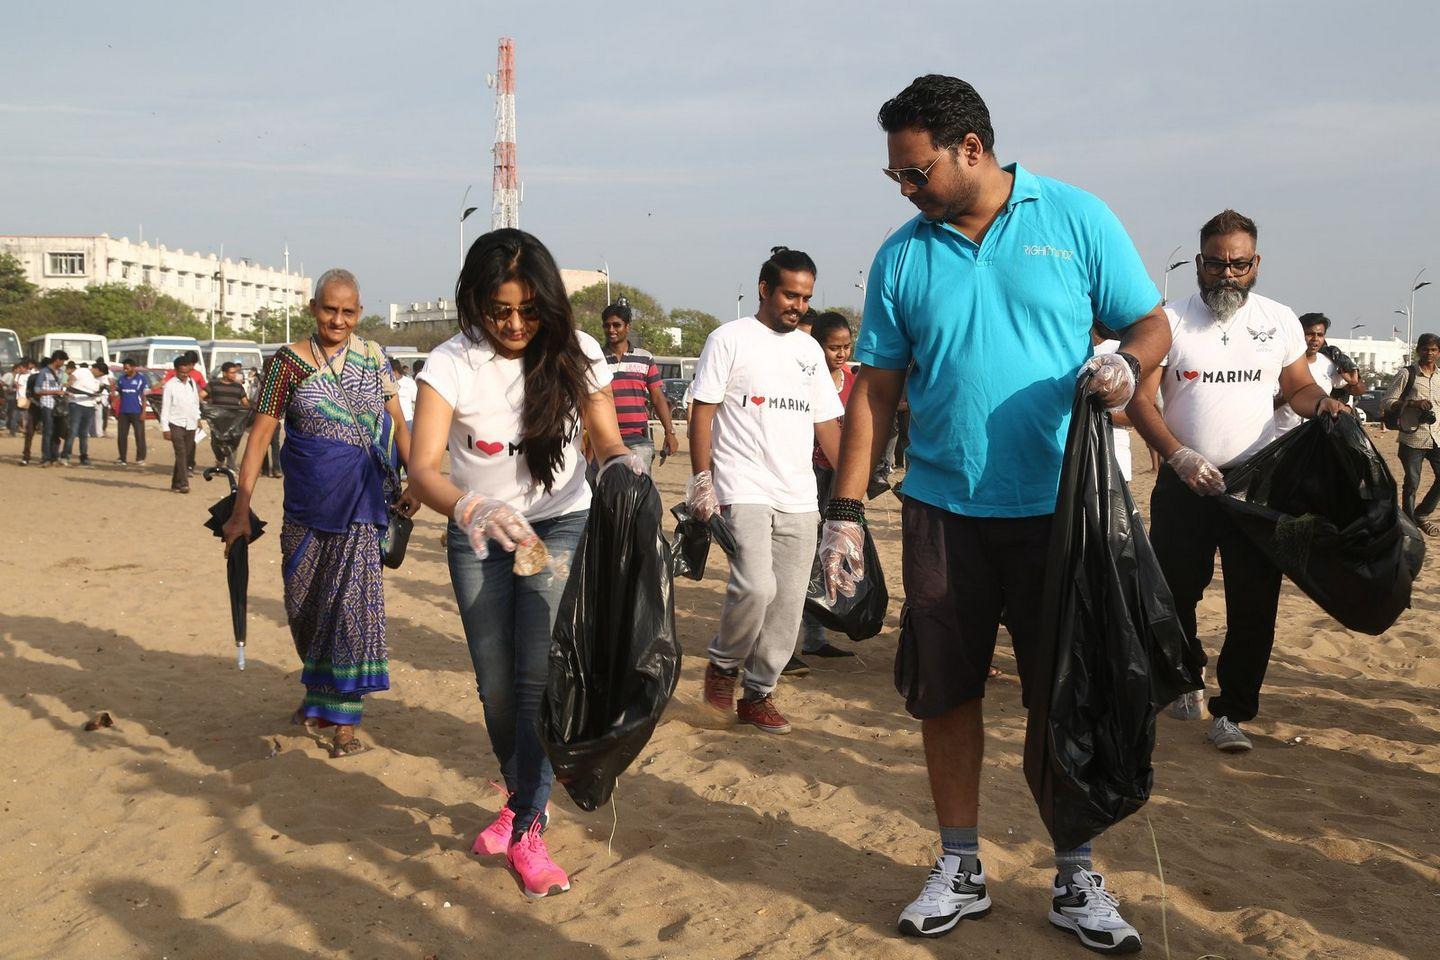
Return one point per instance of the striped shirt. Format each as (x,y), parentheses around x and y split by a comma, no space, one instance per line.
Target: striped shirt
(634,374)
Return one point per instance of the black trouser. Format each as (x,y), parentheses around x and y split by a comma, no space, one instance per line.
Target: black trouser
(1413,459)
(137,421)
(1186,529)
(184,442)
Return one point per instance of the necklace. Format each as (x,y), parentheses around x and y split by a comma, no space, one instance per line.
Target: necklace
(1225,329)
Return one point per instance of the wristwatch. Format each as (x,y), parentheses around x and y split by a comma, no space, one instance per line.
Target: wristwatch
(1133,363)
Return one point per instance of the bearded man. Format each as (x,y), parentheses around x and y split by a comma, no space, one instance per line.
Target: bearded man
(1231,351)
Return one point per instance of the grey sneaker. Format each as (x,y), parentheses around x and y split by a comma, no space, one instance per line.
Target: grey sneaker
(1190,705)
(1227,736)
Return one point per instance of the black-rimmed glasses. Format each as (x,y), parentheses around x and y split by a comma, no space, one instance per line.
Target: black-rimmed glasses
(1217,267)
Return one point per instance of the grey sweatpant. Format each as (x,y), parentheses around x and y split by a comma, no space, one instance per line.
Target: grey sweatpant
(766,592)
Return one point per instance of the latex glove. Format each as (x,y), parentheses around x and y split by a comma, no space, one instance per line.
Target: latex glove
(631,460)
(842,557)
(700,496)
(1199,474)
(484,519)
(1110,379)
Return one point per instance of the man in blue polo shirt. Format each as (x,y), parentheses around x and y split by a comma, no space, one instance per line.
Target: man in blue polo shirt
(132,386)
(987,298)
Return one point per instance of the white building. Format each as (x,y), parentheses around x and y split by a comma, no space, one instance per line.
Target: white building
(1383,356)
(423,311)
(235,291)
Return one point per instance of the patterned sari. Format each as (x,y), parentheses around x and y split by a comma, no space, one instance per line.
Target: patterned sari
(335,514)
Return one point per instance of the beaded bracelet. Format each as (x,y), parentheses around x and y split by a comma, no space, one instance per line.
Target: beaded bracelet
(845,510)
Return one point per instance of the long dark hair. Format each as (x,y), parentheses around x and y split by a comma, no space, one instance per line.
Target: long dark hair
(556,369)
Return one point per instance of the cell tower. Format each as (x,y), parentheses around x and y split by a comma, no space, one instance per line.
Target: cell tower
(505,203)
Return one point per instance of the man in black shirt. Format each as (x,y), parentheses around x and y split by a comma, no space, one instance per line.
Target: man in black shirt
(227,422)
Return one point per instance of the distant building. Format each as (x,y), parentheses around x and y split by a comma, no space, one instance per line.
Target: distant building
(445,311)
(235,291)
(1382,356)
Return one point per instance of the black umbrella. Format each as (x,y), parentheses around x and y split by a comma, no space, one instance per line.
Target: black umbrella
(237,565)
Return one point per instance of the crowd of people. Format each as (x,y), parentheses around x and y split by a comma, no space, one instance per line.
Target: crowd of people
(982,313)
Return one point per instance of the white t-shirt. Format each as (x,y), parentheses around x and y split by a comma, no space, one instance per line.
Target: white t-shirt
(86,387)
(487,393)
(772,388)
(1327,374)
(1120,435)
(1219,396)
(405,390)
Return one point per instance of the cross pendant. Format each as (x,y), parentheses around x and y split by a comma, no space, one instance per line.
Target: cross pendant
(1225,338)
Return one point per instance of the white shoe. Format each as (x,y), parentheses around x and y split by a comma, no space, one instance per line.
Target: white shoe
(1190,705)
(1084,907)
(1227,736)
(949,896)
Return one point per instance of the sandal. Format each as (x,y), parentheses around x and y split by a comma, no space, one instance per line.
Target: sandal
(348,747)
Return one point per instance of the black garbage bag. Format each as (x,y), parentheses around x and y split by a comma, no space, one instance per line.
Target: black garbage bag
(614,654)
(1322,505)
(690,548)
(1116,652)
(859,617)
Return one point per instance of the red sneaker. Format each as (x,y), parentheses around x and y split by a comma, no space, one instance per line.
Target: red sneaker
(539,874)
(496,837)
(762,713)
(719,689)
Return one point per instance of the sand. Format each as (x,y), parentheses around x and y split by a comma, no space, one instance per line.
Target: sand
(203,825)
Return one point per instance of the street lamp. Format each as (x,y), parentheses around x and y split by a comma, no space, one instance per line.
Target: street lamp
(464,213)
(739,298)
(605,269)
(1353,328)
(860,285)
(1165,292)
(1410,316)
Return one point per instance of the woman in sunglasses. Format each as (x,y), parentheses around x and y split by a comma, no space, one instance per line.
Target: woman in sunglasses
(509,396)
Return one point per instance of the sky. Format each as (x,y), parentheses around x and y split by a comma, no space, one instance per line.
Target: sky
(679,142)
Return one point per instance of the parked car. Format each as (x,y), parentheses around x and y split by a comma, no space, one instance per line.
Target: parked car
(1369,404)
(676,390)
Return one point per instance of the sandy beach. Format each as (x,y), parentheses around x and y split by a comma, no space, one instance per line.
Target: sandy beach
(202,824)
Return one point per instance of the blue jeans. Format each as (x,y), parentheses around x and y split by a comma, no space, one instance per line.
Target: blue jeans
(47,434)
(508,621)
(81,419)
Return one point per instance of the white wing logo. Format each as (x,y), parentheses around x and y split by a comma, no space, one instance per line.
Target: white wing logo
(1261,335)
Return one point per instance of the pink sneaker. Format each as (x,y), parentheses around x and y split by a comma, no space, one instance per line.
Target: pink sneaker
(496,837)
(539,874)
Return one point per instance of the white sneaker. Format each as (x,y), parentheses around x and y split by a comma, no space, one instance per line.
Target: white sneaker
(1227,736)
(1191,704)
(1084,907)
(949,896)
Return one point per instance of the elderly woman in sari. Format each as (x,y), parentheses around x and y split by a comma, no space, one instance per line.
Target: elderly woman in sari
(343,429)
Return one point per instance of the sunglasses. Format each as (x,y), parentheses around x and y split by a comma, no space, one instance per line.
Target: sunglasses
(500,312)
(913,175)
(1218,267)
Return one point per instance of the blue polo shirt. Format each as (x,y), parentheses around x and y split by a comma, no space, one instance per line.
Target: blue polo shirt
(132,392)
(996,334)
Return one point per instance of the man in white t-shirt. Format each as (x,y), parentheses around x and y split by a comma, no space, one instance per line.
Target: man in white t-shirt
(1334,371)
(762,398)
(405,390)
(1231,349)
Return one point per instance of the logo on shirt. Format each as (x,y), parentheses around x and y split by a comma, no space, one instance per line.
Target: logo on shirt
(1218,376)
(1045,250)
(807,368)
(1261,335)
(781,403)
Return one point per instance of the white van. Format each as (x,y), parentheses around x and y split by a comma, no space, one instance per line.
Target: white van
(216,353)
(155,353)
(80,347)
